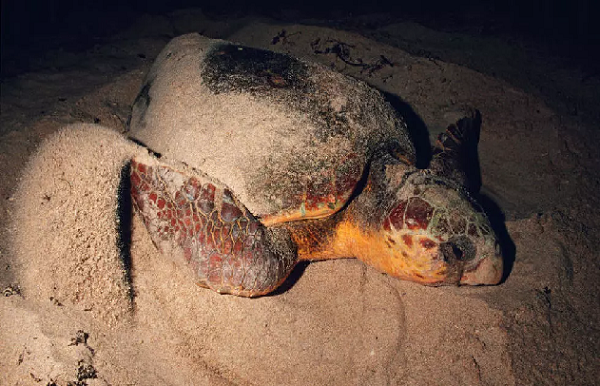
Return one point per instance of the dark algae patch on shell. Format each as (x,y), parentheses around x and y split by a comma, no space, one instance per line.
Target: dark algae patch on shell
(231,67)
(279,78)
(334,104)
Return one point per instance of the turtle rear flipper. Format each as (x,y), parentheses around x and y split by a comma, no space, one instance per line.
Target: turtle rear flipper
(198,222)
(454,154)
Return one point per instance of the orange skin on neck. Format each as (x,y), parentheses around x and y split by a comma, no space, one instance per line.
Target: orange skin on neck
(408,257)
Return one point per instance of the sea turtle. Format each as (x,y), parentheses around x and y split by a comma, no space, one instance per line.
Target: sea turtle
(268,160)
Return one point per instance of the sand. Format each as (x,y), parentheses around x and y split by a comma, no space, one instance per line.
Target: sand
(66,318)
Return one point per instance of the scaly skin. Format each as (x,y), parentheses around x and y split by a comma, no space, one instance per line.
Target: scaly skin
(226,247)
(431,234)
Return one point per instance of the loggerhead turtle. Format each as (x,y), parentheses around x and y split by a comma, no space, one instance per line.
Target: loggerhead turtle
(268,160)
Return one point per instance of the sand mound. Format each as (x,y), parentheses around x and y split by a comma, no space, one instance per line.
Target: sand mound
(66,221)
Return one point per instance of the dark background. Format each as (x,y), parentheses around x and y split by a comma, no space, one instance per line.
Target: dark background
(570,28)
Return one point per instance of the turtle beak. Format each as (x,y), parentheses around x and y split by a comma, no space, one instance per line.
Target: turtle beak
(489,271)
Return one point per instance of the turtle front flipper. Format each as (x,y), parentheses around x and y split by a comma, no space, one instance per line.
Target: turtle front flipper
(198,221)
(455,152)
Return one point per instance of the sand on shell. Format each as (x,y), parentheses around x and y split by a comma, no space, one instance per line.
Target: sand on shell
(340,322)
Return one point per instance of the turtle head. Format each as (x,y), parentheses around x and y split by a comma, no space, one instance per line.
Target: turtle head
(437,234)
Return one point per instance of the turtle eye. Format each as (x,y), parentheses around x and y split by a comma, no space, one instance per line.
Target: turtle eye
(458,249)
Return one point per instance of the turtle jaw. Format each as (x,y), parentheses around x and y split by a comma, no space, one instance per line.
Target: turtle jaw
(489,271)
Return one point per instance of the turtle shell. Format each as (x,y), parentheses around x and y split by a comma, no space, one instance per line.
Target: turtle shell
(292,139)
